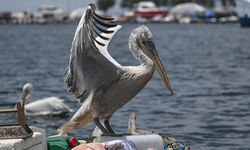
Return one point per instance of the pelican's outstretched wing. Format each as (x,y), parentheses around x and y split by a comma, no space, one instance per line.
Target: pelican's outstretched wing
(90,66)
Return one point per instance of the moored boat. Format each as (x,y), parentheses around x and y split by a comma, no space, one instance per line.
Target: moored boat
(243,10)
(244,21)
(148,11)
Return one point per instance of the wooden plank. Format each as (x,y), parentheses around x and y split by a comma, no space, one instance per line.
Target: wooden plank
(132,123)
(13,132)
(9,125)
(132,129)
(20,114)
(20,130)
(8,110)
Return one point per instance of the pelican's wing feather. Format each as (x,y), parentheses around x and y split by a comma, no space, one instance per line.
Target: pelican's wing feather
(90,66)
(104,49)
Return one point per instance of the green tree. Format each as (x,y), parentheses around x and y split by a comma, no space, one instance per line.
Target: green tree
(105,4)
(129,3)
(161,2)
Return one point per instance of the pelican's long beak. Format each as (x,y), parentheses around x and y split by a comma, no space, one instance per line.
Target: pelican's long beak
(150,50)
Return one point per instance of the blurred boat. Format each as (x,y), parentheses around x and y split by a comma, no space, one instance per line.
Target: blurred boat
(50,14)
(243,10)
(5,17)
(147,11)
(186,13)
(187,9)
(22,17)
(244,21)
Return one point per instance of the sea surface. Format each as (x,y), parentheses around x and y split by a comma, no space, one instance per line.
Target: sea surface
(208,67)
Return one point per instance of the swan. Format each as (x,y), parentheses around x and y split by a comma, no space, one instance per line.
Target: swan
(47,106)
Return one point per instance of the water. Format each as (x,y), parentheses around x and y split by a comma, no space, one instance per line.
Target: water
(208,65)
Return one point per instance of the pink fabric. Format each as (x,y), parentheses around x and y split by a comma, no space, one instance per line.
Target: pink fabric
(110,145)
(90,146)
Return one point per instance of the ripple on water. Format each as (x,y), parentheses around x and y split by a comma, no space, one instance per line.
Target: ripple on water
(208,66)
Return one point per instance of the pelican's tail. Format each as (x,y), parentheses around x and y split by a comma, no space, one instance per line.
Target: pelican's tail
(74,123)
(67,127)
(78,120)
(83,116)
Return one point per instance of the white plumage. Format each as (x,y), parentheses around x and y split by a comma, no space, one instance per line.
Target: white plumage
(46,106)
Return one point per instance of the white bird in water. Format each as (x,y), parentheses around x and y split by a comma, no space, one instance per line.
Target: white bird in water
(100,83)
(47,106)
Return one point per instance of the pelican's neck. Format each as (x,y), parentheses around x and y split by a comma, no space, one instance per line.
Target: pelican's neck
(138,52)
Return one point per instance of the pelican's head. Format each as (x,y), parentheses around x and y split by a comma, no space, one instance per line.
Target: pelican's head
(145,42)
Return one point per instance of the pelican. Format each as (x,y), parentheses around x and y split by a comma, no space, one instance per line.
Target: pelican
(98,81)
(46,106)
